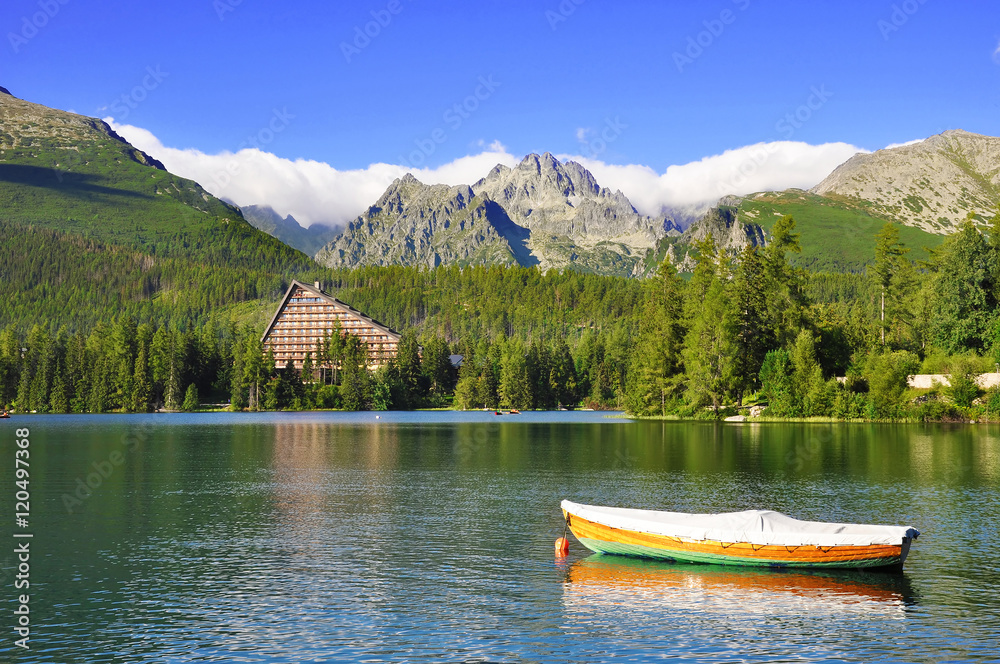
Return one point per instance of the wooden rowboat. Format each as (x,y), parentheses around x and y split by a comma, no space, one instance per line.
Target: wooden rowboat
(760,538)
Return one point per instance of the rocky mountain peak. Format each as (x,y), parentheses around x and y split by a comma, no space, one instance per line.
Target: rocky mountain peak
(541,212)
(931,185)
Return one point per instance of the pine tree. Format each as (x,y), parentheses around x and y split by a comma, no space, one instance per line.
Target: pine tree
(563,381)
(965,295)
(515,385)
(9,366)
(889,263)
(786,299)
(59,398)
(748,323)
(355,386)
(139,400)
(190,399)
(408,362)
(123,350)
(656,373)
(708,351)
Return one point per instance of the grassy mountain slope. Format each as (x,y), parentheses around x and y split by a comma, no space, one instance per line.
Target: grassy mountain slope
(90,228)
(72,173)
(836,235)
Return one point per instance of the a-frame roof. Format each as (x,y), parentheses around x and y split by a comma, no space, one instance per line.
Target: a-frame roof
(329,299)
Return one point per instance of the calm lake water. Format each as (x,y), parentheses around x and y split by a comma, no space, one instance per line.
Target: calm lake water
(429,537)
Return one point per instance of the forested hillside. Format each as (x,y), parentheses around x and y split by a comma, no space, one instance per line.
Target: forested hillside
(749,330)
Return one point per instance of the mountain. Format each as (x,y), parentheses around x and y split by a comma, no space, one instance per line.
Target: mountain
(542,212)
(92,228)
(927,188)
(288,230)
(429,225)
(72,173)
(836,234)
(930,185)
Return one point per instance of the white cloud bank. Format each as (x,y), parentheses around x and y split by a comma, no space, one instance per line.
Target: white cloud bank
(313,191)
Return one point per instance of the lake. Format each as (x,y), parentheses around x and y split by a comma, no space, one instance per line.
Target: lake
(339,537)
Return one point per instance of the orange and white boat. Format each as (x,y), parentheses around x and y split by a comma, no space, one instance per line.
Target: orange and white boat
(754,537)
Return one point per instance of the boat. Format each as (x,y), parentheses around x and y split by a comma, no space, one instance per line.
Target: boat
(4,415)
(760,538)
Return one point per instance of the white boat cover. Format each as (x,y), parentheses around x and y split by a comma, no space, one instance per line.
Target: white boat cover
(753,526)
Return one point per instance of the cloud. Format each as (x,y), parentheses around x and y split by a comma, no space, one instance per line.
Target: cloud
(694,186)
(311,191)
(996,55)
(314,191)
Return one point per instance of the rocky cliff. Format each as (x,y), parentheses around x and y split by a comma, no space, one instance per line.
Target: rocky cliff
(541,212)
(931,185)
(430,225)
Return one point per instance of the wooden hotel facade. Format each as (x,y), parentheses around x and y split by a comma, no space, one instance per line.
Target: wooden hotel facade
(307,315)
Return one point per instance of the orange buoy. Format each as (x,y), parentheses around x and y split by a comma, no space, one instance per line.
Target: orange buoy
(562,547)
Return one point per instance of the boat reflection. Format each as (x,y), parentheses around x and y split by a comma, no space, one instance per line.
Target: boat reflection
(620,582)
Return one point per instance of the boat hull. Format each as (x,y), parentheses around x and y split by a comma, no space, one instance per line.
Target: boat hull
(606,539)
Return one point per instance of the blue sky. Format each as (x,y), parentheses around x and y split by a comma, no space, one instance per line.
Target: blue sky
(666,83)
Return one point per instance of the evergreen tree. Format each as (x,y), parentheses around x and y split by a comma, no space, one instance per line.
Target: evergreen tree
(657,361)
(139,400)
(515,385)
(123,351)
(708,352)
(10,359)
(410,373)
(438,373)
(563,381)
(889,265)
(190,399)
(59,398)
(539,369)
(748,323)
(811,396)
(777,384)
(355,390)
(785,285)
(965,294)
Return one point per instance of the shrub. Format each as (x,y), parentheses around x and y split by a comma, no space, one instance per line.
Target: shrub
(849,405)
(938,411)
(963,389)
(886,374)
